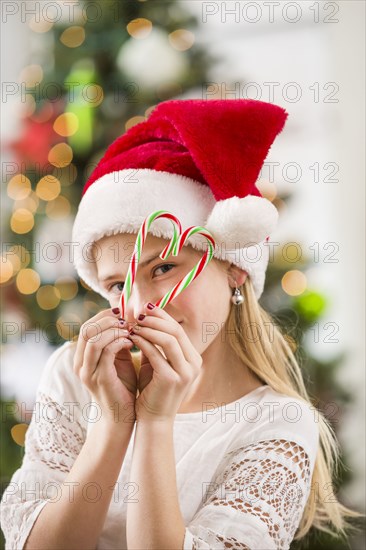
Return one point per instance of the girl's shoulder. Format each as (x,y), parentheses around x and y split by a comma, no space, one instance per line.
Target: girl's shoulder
(279,417)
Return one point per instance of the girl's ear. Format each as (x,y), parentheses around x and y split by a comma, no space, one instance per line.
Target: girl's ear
(236,274)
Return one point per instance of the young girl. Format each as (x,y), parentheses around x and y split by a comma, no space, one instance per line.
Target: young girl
(207,438)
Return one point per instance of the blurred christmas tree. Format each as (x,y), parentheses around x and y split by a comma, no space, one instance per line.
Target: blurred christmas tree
(100,69)
(299,310)
(96,72)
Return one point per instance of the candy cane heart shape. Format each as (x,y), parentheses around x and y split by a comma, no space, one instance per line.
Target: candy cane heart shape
(198,268)
(173,247)
(139,244)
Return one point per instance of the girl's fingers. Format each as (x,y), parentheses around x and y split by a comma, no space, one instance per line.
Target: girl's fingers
(111,339)
(96,372)
(163,322)
(156,359)
(170,346)
(108,354)
(90,329)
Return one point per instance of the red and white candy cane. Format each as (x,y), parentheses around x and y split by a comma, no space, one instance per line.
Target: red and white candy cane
(198,268)
(139,244)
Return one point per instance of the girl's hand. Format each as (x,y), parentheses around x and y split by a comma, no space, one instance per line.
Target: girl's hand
(104,364)
(164,377)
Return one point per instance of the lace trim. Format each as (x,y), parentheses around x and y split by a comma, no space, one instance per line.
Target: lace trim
(214,541)
(232,543)
(270,480)
(54,439)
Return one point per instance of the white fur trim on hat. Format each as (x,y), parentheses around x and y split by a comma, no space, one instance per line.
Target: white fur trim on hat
(242,221)
(120,201)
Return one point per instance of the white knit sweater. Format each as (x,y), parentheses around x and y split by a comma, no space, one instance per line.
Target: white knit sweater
(243,469)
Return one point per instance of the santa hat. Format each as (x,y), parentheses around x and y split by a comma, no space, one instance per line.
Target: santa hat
(199,160)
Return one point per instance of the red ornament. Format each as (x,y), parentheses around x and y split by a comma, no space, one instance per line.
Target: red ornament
(38,137)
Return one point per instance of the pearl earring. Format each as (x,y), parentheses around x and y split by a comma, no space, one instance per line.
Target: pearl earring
(237,298)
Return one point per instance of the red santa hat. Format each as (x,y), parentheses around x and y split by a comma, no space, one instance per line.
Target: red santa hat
(199,160)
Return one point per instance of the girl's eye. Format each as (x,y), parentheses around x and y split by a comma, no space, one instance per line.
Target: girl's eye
(120,289)
(165,267)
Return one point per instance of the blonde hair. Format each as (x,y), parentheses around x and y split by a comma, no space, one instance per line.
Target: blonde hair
(270,357)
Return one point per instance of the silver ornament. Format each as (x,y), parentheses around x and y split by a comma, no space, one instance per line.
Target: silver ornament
(237,297)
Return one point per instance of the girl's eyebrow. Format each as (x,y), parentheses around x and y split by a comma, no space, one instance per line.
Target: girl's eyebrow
(140,264)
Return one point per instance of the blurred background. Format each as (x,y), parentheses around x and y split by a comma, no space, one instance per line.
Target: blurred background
(75,75)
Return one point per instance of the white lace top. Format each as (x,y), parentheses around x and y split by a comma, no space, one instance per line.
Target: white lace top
(243,469)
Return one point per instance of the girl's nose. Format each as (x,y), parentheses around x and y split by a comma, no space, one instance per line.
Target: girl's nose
(135,305)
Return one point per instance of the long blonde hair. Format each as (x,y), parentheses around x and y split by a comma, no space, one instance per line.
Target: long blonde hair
(270,357)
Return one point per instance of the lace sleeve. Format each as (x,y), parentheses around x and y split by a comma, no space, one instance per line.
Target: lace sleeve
(256,501)
(53,441)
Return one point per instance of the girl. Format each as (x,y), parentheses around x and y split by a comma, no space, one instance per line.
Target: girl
(207,439)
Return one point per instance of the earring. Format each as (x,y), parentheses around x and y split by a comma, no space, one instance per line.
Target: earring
(237,298)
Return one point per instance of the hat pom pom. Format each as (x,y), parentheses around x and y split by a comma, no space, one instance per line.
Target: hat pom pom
(246,220)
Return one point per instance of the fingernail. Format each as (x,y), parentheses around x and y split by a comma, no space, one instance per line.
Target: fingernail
(141,317)
(115,310)
(150,306)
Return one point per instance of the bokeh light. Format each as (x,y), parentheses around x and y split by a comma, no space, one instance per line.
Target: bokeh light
(67,287)
(68,326)
(48,297)
(48,188)
(18,433)
(19,257)
(72,37)
(279,204)
(40,24)
(149,110)
(16,257)
(84,284)
(28,281)
(60,155)
(59,208)
(268,189)
(66,124)
(181,39)
(19,187)
(30,203)
(139,28)
(6,271)
(311,305)
(22,221)
(294,282)
(133,121)
(31,75)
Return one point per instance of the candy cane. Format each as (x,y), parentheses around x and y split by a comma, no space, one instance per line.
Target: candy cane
(139,244)
(199,267)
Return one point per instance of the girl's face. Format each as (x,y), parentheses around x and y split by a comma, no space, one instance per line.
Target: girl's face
(202,308)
